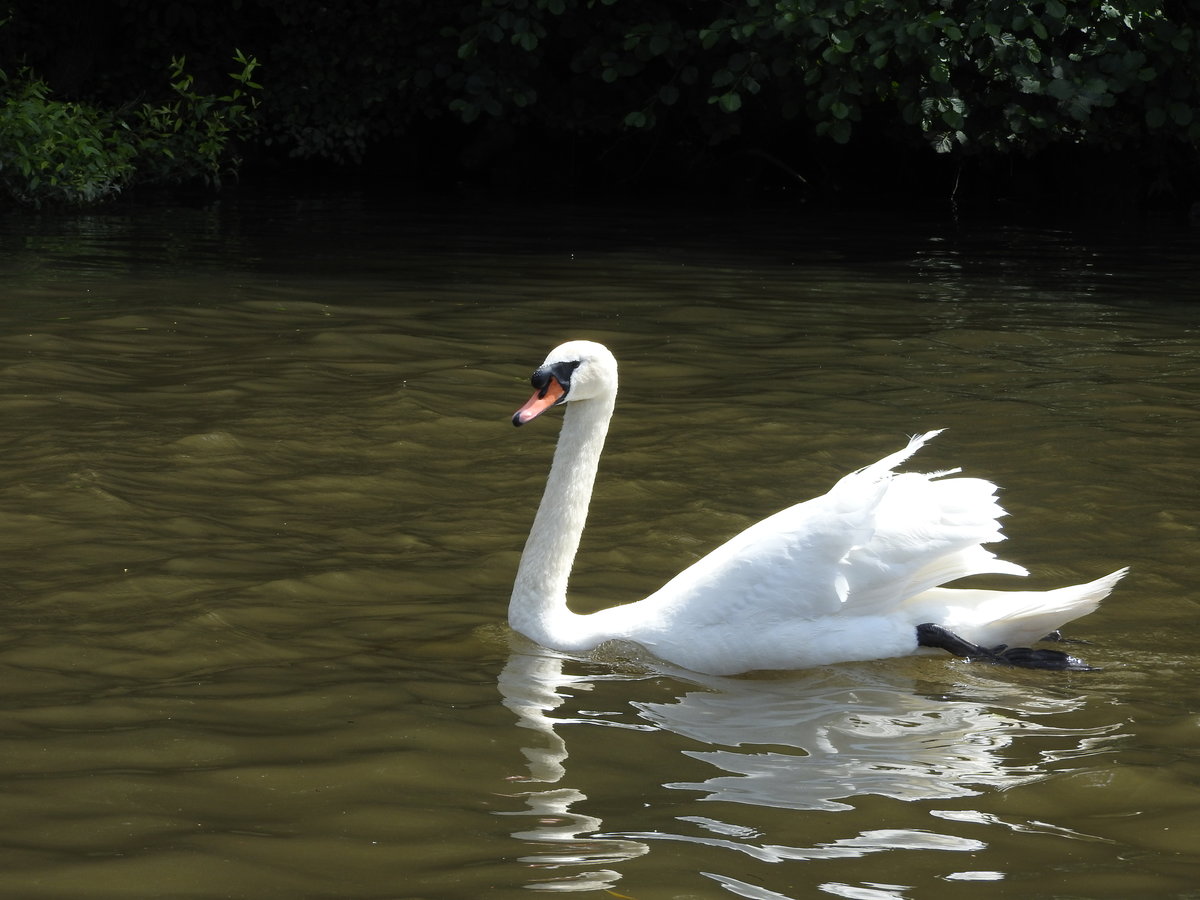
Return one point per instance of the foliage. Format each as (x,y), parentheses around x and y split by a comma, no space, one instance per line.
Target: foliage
(192,135)
(985,74)
(990,74)
(470,80)
(344,75)
(55,151)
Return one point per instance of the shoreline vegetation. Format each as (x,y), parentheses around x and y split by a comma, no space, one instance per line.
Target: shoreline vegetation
(983,102)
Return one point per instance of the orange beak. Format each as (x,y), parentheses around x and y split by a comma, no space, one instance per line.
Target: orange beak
(539,403)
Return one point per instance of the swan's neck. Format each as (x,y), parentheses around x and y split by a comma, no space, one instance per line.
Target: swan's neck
(538,608)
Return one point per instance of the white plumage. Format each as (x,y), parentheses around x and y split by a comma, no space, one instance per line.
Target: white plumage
(845,576)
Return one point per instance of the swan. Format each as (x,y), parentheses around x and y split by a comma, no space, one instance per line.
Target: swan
(853,575)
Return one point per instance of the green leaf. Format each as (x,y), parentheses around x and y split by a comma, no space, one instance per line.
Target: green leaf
(722,77)
(659,44)
(1060,89)
(730,102)
(1182,113)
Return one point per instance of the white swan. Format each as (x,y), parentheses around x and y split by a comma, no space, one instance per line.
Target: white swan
(852,575)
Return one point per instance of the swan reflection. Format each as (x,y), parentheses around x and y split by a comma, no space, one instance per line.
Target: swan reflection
(533,684)
(859,736)
(813,740)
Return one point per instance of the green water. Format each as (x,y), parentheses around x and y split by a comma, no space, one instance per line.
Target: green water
(261,505)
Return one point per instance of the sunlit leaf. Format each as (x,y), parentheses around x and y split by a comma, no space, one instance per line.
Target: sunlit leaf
(730,102)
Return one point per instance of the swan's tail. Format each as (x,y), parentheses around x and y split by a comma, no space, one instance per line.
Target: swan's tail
(1016,618)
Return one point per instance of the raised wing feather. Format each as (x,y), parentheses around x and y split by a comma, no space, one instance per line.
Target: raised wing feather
(875,539)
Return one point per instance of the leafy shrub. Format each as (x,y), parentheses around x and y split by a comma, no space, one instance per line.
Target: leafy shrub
(193,136)
(969,74)
(611,84)
(976,74)
(55,151)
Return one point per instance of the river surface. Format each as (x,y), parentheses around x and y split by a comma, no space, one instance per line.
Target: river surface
(261,506)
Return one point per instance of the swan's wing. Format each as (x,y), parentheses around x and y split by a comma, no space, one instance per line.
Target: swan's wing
(875,539)
(786,566)
(928,530)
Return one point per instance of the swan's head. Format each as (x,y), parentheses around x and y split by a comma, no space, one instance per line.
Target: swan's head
(576,370)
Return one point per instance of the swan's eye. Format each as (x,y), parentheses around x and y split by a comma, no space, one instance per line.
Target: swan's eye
(541,382)
(560,372)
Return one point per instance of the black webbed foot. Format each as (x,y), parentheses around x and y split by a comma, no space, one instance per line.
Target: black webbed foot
(1056,637)
(933,635)
(1034,658)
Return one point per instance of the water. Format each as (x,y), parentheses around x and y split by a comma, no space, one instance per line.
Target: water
(261,506)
